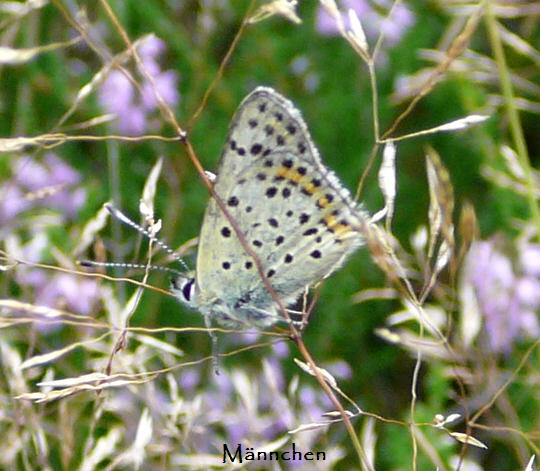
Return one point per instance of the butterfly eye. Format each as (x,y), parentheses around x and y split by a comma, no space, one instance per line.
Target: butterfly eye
(183,288)
(187,289)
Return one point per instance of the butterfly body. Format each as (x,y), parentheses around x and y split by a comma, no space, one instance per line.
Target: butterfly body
(292,212)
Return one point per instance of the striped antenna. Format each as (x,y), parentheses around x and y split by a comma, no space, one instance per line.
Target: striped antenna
(141,266)
(123,218)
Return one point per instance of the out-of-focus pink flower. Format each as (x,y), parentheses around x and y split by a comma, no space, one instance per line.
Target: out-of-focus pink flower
(165,84)
(31,176)
(13,202)
(373,21)
(281,349)
(189,379)
(327,25)
(508,295)
(151,48)
(530,259)
(65,291)
(54,289)
(118,95)
(339,369)
(395,26)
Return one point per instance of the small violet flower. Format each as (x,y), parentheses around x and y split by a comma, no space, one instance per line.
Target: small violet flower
(508,292)
(65,291)
(373,21)
(53,184)
(55,289)
(52,176)
(118,95)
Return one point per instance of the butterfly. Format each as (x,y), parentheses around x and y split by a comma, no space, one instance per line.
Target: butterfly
(294,214)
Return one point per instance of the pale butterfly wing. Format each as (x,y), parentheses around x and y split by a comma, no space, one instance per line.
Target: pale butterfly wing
(292,211)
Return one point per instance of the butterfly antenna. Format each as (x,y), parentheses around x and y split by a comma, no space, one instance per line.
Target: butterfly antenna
(123,218)
(141,266)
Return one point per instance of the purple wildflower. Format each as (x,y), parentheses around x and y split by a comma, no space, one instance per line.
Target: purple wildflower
(151,48)
(53,184)
(189,379)
(393,26)
(118,95)
(508,295)
(165,84)
(59,290)
(12,203)
(31,177)
(281,349)
(530,259)
(339,369)
(63,290)
(311,403)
